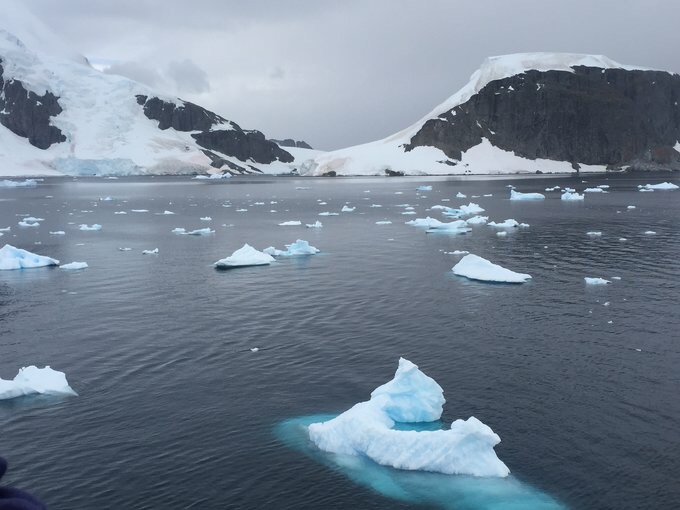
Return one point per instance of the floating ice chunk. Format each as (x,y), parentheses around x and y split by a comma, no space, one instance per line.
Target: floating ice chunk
(27,183)
(166,213)
(24,223)
(594,190)
(375,205)
(477,268)
(571,196)
(596,281)
(630,207)
(646,190)
(150,252)
(502,233)
(554,188)
(451,227)
(461,195)
(603,186)
(124,249)
(326,213)
(367,430)
(74,265)
(477,220)
(408,213)
(119,212)
(488,195)
(299,247)
(509,223)
(198,232)
(594,233)
(179,231)
(241,210)
(302,187)
(6,229)
(424,222)
(424,188)
(244,257)
(95,226)
(58,233)
(254,349)
(16,258)
(206,218)
(347,209)
(316,224)
(459,252)
(293,223)
(33,380)
(661,185)
(383,222)
(139,210)
(470,209)
(650,232)
(516,195)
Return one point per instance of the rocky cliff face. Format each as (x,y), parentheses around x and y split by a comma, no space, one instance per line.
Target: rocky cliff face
(595,116)
(289,142)
(27,114)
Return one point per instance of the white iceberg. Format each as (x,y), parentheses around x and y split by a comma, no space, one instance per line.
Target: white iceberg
(477,220)
(244,257)
(571,196)
(206,218)
(326,213)
(461,195)
(509,223)
(594,190)
(424,188)
(347,209)
(650,232)
(470,209)
(150,252)
(502,233)
(198,232)
(367,430)
(16,258)
(294,223)
(74,265)
(139,210)
(661,185)
(33,380)
(516,195)
(596,281)
(630,207)
(165,213)
(478,268)
(58,233)
(27,183)
(594,233)
(316,224)
(554,188)
(299,247)
(434,225)
(383,222)
(90,227)
(25,223)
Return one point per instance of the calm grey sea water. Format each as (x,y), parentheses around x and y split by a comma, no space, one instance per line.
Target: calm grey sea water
(175,411)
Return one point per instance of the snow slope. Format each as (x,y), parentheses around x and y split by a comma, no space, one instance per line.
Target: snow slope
(375,158)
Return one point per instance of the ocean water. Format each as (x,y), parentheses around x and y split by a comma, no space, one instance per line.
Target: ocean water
(581,382)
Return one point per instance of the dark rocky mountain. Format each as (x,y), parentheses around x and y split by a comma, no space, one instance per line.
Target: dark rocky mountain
(289,142)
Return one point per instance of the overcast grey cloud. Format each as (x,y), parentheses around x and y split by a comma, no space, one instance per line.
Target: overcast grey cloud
(338,73)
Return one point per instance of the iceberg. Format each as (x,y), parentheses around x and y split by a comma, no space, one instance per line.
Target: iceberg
(595,190)
(206,218)
(434,225)
(509,223)
(299,247)
(477,220)
(661,185)
(383,222)
(33,380)
(594,233)
(139,210)
(461,195)
(516,195)
(74,265)
(477,268)
(16,258)
(198,232)
(572,196)
(244,257)
(90,227)
(58,233)
(596,281)
(27,183)
(554,188)
(368,430)
(316,224)
(470,209)
(347,209)
(26,223)
(150,252)
(293,223)
(424,188)
(326,213)
(650,232)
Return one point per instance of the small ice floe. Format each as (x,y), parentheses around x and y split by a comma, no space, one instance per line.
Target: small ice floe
(375,205)
(58,233)
(510,186)
(461,195)
(477,220)
(241,210)
(630,207)
(198,232)
(509,223)
(326,213)
(478,268)
(594,190)
(470,209)
(124,248)
(458,252)
(594,233)
(488,195)
(623,239)
(572,196)
(424,188)
(27,183)
(74,265)
(293,223)
(616,278)
(516,195)
(36,381)
(649,232)
(244,257)
(139,210)
(502,233)
(150,252)
(398,192)
(16,258)
(205,218)
(165,213)
(119,212)
(105,199)
(347,209)
(568,190)
(408,213)
(299,247)
(554,188)
(94,226)
(254,349)
(302,187)
(6,229)
(316,224)
(595,281)
(383,222)
(27,223)
(660,186)
(646,190)
(322,203)
(367,430)
(603,186)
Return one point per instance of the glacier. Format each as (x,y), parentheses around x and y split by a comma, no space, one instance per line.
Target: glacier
(32,380)
(368,430)
(477,268)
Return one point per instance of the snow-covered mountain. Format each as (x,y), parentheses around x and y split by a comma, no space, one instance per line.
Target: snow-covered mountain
(533,112)
(58,115)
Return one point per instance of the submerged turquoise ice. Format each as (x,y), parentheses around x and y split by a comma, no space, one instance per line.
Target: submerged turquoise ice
(455,492)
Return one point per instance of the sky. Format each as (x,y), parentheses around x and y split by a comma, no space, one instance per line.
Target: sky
(344,72)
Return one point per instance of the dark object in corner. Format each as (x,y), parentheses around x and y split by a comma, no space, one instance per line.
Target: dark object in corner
(393,173)
(14,499)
